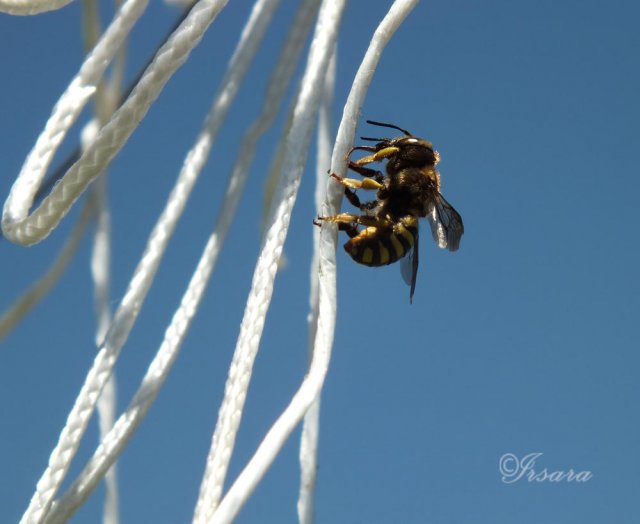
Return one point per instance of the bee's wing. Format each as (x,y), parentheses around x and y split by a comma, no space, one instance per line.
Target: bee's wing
(446,224)
(409,266)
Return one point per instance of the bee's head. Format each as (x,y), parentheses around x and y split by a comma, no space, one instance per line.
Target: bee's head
(415,152)
(412,151)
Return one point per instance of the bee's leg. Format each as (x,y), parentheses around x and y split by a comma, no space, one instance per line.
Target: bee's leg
(363,220)
(367,172)
(365,183)
(344,222)
(378,154)
(342,218)
(349,229)
(372,149)
(354,200)
(352,197)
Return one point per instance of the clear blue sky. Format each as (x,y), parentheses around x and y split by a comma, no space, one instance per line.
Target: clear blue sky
(521,342)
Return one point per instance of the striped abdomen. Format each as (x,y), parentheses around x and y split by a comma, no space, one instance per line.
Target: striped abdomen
(377,246)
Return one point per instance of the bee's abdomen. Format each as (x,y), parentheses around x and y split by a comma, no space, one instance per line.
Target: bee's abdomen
(375,246)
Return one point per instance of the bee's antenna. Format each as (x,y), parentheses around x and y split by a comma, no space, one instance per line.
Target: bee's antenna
(374,139)
(382,124)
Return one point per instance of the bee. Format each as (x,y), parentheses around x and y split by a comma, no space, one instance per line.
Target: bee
(388,228)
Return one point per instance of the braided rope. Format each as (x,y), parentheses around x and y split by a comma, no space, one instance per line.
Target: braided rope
(311,386)
(187,35)
(27,230)
(308,455)
(31,7)
(17,226)
(24,229)
(115,441)
(297,143)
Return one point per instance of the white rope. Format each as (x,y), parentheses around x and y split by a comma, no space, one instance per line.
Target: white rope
(31,7)
(297,144)
(289,58)
(276,90)
(26,230)
(107,94)
(101,276)
(312,384)
(311,424)
(114,442)
(183,38)
(278,84)
(17,226)
(30,229)
(38,289)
